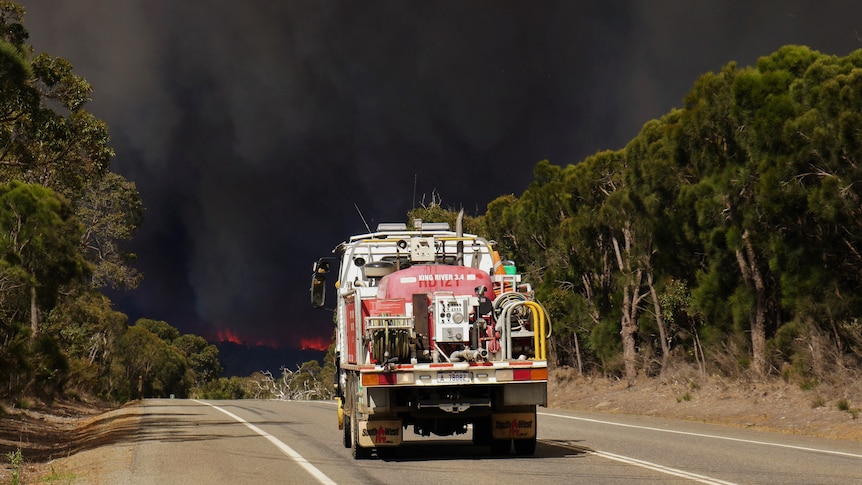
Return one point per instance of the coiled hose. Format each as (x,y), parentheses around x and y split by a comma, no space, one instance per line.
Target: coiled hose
(513,307)
(397,344)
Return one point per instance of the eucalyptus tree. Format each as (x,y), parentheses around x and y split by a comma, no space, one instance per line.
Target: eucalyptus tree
(586,242)
(111,211)
(653,181)
(824,152)
(150,363)
(532,230)
(203,357)
(39,234)
(775,150)
(524,226)
(728,222)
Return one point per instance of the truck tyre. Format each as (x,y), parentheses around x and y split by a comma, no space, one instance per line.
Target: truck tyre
(482,431)
(359,453)
(500,447)
(525,447)
(347,435)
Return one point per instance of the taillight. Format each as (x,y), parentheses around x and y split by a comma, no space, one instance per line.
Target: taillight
(387,378)
(526,374)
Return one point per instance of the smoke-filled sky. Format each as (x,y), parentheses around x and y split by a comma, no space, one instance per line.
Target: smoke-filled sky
(253,129)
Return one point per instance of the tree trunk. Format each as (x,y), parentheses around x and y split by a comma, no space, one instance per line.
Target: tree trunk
(754,280)
(34,314)
(578,353)
(631,300)
(659,320)
(627,332)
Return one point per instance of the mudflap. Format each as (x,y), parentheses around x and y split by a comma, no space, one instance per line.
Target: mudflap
(513,426)
(380,433)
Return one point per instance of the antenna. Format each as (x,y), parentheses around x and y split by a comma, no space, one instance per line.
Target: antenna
(415,177)
(362,217)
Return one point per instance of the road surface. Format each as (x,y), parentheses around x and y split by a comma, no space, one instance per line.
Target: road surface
(239,442)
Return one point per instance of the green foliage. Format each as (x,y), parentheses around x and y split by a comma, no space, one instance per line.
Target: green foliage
(112,208)
(51,366)
(11,27)
(55,476)
(223,388)
(434,211)
(159,328)
(607,347)
(741,211)
(327,373)
(16,462)
(39,233)
(203,357)
(147,356)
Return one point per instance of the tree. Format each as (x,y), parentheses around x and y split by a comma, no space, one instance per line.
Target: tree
(87,330)
(39,233)
(202,356)
(41,145)
(159,328)
(111,211)
(161,367)
(434,211)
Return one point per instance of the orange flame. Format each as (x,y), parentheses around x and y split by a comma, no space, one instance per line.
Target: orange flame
(227,335)
(316,343)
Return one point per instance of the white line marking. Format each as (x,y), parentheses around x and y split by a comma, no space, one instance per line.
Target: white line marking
(766,443)
(662,469)
(315,472)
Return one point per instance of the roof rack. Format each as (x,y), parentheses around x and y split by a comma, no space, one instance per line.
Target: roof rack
(391,226)
(423,226)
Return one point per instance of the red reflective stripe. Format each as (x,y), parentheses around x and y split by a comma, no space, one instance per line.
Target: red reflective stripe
(521,374)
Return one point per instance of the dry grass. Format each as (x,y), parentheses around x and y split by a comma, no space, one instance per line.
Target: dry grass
(683,393)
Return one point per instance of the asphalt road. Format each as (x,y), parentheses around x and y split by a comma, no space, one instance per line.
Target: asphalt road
(251,442)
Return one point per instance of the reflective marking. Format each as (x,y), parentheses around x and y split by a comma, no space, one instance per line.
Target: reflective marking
(754,442)
(313,470)
(663,469)
(639,463)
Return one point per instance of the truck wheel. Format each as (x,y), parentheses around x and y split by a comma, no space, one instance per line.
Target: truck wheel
(525,447)
(347,435)
(482,431)
(500,447)
(359,453)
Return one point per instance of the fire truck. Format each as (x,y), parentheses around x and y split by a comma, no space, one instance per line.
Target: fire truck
(433,331)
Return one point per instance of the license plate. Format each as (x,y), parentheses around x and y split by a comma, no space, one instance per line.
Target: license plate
(454,377)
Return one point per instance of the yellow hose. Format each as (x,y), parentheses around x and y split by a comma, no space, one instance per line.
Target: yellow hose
(539,330)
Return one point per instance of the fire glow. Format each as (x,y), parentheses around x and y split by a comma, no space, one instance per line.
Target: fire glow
(227,335)
(317,343)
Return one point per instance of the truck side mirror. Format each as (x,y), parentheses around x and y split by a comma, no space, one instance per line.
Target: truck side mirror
(321,266)
(318,290)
